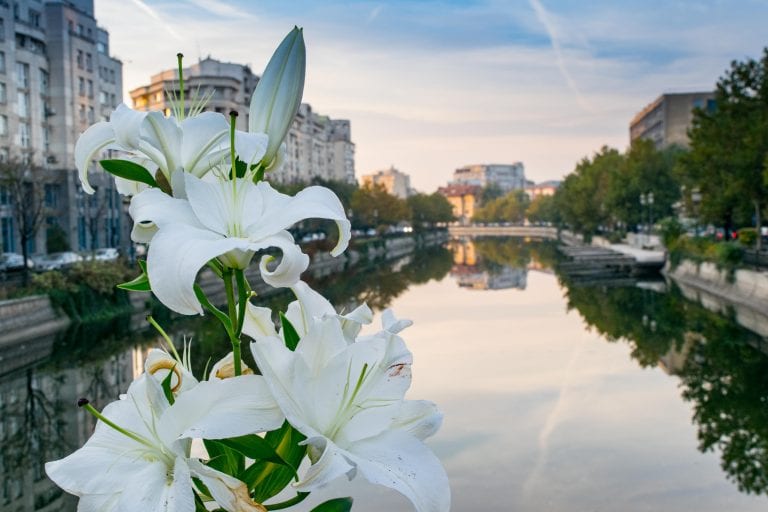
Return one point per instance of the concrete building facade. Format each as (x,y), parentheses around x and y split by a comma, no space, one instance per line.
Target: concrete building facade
(395,182)
(316,145)
(545,188)
(52,59)
(668,118)
(464,200)
(506,176)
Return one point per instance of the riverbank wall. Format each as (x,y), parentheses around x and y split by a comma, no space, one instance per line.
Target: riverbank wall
(743,292)
(34,319)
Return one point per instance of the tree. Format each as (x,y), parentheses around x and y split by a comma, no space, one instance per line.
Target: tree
(729,146)
(24,185)
(428,210)
(542,209)
(509,208)
(374,206)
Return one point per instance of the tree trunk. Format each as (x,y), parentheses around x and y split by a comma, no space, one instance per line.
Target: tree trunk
(758,226)
(25,255)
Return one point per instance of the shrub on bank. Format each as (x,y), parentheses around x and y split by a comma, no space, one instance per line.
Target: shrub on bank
(87,290)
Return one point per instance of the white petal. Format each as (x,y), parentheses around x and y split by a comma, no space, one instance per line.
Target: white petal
(127,125)
(93,140)
(225,368)
(329,463)
(153,208)
(164,134)
(156,489)
(98,502)
(295,316)
(276,363)
(203,134)
(258,322)
(129,188)
(216,204)
(402,462)
(392,324)
(250,147)
(218,409)
(229,493)
(176,255)
(292,262)
(313,305)
(352,322)
(419,418)
(282,211)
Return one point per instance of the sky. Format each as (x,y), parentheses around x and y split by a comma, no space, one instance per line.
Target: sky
(432,85)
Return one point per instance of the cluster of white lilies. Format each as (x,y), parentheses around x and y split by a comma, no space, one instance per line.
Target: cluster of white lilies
(320,391)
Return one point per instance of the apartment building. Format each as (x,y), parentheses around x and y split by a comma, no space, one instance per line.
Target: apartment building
(316,145)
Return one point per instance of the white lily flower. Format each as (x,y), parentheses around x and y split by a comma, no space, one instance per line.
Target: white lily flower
(229,221)
(194,145)
(141,461)
(348,400)
(310,307)
(277,96)
(160,364)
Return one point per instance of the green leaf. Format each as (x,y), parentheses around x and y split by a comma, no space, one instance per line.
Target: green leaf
(223,458)
(240,168)
(129,170)
(140,283)
(254,447)
(289,333)
(220,315)
(335,505)
(166,385)
(267,478)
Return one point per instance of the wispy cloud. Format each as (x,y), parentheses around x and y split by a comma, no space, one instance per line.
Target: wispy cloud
(374,13)
(546,20)
(154,15)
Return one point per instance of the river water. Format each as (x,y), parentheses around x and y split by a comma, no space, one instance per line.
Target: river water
(558,396)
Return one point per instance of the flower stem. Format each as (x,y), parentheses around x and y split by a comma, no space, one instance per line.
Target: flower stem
(182,113)
(243,292)
(288,503)
(234,333)
(88,407)
(165,336)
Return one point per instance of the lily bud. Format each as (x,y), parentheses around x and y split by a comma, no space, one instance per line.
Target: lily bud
(277,96)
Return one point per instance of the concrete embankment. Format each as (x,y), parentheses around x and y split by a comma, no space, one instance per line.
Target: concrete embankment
(744,292)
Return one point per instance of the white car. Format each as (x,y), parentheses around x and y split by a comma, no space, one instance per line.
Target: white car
(106,254)
(13,261)
(57,260)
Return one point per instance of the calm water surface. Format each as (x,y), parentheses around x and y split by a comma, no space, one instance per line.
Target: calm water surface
(556,397)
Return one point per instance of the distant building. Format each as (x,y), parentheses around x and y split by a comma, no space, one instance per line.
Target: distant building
(463,199)
(316,145)
(545,188)
(506,176)
(56,79)
(667,119)
(395,182)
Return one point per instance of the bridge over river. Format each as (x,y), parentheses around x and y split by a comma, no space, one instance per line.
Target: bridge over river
(547,233)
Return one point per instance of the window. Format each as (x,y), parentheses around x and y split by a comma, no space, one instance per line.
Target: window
(90,88)
(3,93)
(9,243)
(103,97)
(47,138)
(45,82)
(80,59)
(5,195)
(81,85)
(24,135)
(22,103)
(91,115)
(113,100)
(88,62)
(52,192)
(3,125)
(101,47)
(34,18)
(22,75)
(2,62)
(112,75)
(2,29)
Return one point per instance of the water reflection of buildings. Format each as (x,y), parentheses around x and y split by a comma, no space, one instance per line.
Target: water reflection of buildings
(39,421)
(469,271)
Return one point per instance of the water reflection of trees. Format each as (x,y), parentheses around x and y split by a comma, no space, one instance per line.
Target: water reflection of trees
(494,253)
(723,368)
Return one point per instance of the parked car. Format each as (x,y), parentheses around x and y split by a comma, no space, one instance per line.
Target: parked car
(103,254)
(13,261)
(57,260)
